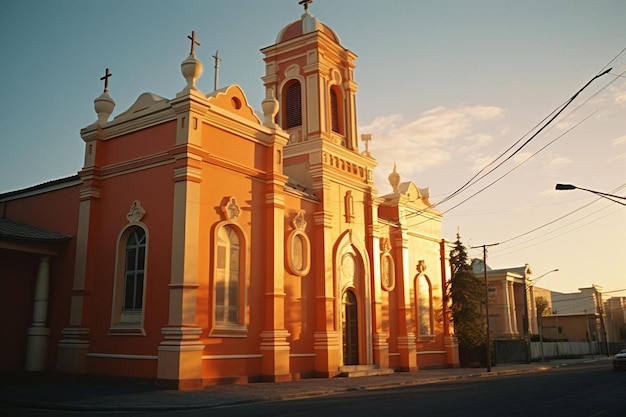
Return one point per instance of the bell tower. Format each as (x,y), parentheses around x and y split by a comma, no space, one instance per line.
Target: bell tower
(310,73)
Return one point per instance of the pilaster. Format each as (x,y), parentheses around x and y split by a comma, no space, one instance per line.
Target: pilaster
(74,344)
(180,351)
(275,347)
(326,337)
(406,336)
(379,339)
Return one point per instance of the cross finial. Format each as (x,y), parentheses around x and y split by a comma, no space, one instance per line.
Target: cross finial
(107,74)
(194,41)
(305,3)
(367,138)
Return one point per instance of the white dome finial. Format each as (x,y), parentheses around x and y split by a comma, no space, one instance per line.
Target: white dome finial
(394,178)
(191,67)
(104,104)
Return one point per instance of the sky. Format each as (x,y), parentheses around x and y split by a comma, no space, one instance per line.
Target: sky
(444,87)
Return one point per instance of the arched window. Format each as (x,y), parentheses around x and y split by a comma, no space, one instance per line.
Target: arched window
(336,113)
(134,270)
(424,305)
(130,281)
(292,105)
(227,277)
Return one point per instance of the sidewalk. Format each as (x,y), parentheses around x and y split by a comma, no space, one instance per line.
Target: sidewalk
(101,396)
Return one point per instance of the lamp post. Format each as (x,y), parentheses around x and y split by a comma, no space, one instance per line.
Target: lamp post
(610,197)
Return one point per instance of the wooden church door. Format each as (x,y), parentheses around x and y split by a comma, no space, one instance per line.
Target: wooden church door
(350,327)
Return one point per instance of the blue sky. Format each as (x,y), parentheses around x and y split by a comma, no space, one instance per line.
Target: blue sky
(444,87)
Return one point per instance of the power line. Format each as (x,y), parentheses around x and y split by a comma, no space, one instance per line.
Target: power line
(558,218)
(550,118)
(518,165)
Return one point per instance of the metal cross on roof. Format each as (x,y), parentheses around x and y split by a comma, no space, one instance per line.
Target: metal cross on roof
(305,3)
(194,41)
(107,74)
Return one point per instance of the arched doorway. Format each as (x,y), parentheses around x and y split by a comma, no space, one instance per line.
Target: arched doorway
(350,326)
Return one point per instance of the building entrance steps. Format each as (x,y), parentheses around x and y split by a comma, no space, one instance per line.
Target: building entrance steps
(355,371)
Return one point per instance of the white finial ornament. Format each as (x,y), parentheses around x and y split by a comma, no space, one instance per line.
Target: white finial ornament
(394,179)
(104,104)
(191,67)
(270,108)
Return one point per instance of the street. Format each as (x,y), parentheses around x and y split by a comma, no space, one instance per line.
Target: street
(584,390)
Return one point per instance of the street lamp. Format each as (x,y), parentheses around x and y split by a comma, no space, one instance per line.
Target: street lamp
(601,194)
(534,280)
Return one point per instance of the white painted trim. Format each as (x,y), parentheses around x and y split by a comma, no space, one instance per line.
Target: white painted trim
(121,356)
(302,355)
(432,352)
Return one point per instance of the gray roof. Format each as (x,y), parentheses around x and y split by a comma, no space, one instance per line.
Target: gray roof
(11,229)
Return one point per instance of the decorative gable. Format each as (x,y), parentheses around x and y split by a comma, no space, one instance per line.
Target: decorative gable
(145,103)
(233,99)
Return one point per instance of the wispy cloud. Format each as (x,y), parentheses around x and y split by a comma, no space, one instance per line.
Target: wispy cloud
(430,140)
(619,141)
(560,161)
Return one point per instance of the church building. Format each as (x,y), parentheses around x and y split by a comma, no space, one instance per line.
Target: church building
(202,243)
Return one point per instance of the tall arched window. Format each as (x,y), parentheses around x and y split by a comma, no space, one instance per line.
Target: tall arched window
(227,277)
(134,270)
(424,306)
(336,113)
(292,105)
(130,281)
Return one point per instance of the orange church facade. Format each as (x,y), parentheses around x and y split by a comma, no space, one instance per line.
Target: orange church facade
(203,244)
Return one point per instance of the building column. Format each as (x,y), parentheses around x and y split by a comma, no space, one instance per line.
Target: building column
(379,339)
(513,310)
(532,311)
(275,347)
(406,336)
(326,337)
(74,344)
(506,310)
(39,332)
(180,351)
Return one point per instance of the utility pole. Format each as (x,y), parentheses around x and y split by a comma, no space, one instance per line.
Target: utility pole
(588,334)
(600,309)
(488,336)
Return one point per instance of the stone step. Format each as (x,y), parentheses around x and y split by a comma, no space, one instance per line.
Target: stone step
(355,371)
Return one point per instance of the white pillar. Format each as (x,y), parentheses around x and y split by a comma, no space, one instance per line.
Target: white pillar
(513,311)
(39,332)
(506,309)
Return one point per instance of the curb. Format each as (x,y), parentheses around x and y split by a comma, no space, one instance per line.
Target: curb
(43,405)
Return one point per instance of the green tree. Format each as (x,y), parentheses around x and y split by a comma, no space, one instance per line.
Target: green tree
(466,293)
(543,306)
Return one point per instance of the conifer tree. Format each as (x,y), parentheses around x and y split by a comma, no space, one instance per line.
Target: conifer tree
(466,293)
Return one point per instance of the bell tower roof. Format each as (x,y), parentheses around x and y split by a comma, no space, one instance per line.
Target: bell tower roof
(306,24)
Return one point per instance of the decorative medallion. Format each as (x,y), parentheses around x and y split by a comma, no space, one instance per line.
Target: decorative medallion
(420,267)
(136,212)
(231,210)
(298,221)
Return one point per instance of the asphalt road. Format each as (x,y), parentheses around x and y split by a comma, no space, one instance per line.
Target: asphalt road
(584,390)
